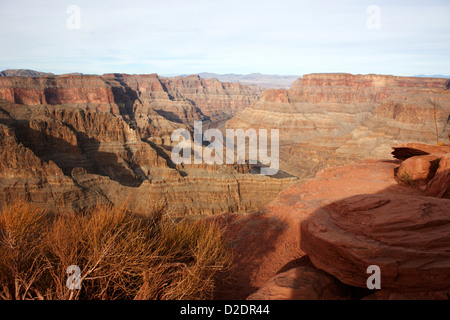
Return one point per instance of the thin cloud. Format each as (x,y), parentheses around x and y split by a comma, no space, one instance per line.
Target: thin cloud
(179,37)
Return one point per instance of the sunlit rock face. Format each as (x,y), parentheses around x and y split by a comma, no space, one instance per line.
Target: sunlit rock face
(331,119)
(74,141)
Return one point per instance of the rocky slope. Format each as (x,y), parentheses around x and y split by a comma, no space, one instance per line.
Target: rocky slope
(73,141)
(317,239)
(329,119)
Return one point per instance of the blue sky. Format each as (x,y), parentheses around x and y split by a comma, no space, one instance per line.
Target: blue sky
(185,37)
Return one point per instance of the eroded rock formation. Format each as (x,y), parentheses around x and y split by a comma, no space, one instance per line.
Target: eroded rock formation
(73,141)
(70,142)
(345,220)
(151,104)
(327,120)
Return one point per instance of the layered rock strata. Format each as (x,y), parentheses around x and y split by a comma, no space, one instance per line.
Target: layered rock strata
(151,104)
(327,120)
(70,142)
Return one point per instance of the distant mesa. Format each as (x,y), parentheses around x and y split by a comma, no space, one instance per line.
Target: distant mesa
(432,76)
(34,73)
(23,73)
(266,81)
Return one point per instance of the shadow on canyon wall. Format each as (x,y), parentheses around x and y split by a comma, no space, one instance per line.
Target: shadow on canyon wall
(86,154)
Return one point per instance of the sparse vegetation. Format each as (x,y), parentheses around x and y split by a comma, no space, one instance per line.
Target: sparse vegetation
(405,177)
(122,255)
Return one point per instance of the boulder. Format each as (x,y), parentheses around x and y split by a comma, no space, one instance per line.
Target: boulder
(408,237)
(419,168)
(439,186)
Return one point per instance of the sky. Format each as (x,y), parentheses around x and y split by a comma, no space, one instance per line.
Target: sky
(169,37)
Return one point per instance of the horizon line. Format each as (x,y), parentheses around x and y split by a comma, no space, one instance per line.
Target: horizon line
(224,74)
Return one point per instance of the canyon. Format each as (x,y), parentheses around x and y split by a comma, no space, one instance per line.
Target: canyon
(329,120)
(89,138)
(266,81)
(364,172)
(70,142)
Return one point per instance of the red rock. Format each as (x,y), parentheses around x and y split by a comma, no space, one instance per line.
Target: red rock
(64,157)
(267,240)
(408,237)
(439,186)
(327,120)
(277,96)
(370,80)
(156,105)
(419,168)
(408,150)
(348,217)
(301,283)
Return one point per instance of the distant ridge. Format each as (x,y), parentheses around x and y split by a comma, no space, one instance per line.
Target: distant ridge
(263,80)
(432,76)
(266,81)
(23,73)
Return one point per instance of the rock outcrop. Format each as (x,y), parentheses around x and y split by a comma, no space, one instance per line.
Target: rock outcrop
(327,120)
(425,166)
(406,236)
(301,283)
(408,150)
(345,220)
(439,185)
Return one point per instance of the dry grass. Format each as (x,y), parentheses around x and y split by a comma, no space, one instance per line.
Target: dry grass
(405,178)
(121,255)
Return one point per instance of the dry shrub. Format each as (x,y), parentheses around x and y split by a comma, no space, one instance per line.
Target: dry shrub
(196,254)
(405,178)
(121,255)
(22,263)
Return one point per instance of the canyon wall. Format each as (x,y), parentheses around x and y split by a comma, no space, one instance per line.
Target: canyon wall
(107,138)
(151,104)
(70,142)
(330,119)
